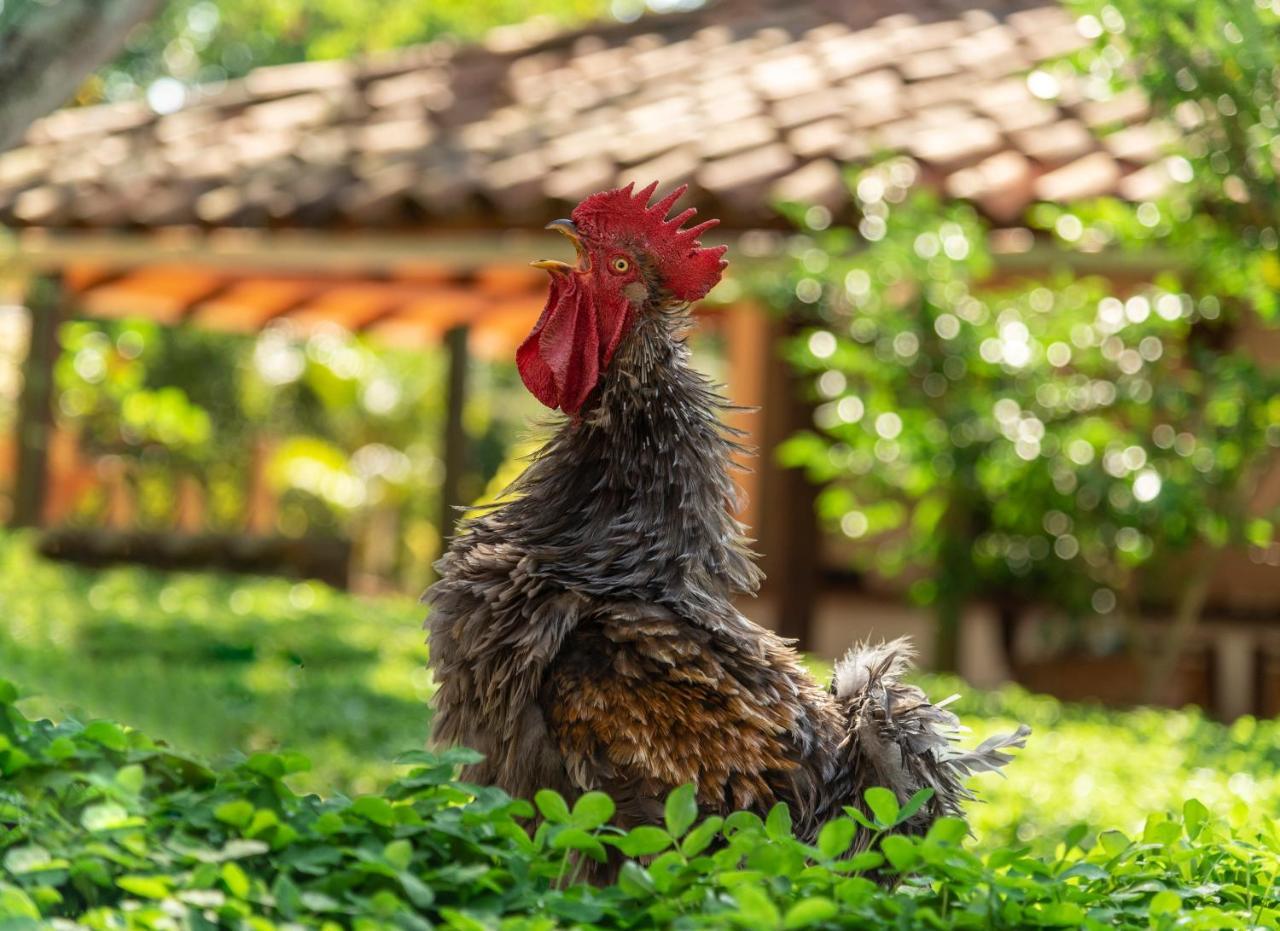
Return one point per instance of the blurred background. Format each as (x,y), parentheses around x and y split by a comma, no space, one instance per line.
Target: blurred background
(1002,297)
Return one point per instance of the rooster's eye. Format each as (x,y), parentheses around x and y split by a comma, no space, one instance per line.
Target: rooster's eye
(620,265)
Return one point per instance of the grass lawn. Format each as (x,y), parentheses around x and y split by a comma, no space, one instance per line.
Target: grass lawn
(219,665)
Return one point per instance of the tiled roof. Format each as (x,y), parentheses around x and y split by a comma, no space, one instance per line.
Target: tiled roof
(746,99)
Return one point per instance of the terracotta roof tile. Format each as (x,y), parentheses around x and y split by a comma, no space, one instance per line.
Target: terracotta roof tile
(1054,143)
(787,76)
(952,145)
(654,140)
(1012,106)
(1144,143)
(1000,185)
(805,109)
(393,136)
(905,35)
(675,167)
(926,65)
(378,195)
(850,54)
(744,97)
(579,179)
(1090,176)
(1127,107)
(873,99)
(819,182)
(824,137)
(925,94)
(66,125)
(725,140)
(304,76)
(1054,41)
(746,169)
(1038,19)
(41,206)
(1146,183)
(21,167)
(990,51)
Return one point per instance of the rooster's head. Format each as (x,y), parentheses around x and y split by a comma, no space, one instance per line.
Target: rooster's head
(631,260)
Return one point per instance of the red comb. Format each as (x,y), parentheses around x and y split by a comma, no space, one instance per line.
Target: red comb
(687,269)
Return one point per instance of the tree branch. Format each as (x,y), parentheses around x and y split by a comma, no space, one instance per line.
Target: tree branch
(52,48)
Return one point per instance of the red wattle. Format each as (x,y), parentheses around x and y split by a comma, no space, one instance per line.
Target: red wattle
(562,359)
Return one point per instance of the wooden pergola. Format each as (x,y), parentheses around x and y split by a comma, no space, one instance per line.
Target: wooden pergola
(401,295)
(476,296)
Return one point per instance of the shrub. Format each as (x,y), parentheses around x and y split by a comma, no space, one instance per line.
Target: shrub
(104,828)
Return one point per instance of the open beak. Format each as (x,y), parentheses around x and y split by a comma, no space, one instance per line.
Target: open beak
(557,267)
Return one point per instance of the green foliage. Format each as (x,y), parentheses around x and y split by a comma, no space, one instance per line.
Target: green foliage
(109,829)
(200,41)
(215,664)
(1069,441)
(1043,440)
(121,404)
(351,430)
(1209,67)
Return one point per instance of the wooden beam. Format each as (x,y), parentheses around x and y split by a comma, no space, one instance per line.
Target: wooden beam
(440,254)
(392,255)
(455,433)
(45,306)
(249,305)
(163,293)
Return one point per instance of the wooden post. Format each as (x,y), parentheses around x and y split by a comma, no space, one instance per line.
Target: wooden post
(35,406)
(789,526)
(69,476)
(746,329)
(261,508)
(455,433)
(189,505)
(121,513)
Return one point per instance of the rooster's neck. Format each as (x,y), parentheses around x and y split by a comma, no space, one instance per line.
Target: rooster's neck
(635,500)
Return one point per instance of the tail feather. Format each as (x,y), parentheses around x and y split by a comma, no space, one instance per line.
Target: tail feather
(898,739)
(989,756)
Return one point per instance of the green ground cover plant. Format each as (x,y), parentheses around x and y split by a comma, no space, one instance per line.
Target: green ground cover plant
(223,666)
(104,828)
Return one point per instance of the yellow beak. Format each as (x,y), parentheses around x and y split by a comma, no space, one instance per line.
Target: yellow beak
(556,267)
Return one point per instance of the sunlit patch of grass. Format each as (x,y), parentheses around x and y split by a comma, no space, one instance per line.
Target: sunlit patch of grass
(220,664)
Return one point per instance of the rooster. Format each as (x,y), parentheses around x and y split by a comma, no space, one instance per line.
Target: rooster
(583,632)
